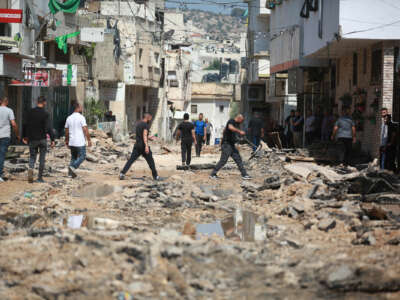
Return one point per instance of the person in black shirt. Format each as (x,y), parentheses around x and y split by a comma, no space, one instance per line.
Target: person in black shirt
(141,148)
(256,130)
(228,147)
(37,128)
(187,135)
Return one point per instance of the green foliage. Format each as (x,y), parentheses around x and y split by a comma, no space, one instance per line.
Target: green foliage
(215,65)
(234,109)
(94,110)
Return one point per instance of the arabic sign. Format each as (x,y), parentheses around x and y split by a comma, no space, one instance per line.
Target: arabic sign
(7,41)
(10,15)
(39,77)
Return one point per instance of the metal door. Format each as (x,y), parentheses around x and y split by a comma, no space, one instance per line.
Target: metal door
(60,109)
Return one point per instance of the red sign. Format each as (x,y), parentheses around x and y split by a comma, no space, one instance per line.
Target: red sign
(10,15)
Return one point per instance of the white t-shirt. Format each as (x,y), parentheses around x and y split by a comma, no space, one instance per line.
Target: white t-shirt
(75,124)
(6,116)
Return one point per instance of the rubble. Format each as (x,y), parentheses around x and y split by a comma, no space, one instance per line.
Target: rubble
(298,229)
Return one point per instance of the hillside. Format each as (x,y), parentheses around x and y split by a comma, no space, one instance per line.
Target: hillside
(218,26)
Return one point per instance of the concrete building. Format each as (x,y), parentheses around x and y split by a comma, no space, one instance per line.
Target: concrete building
(129,83)
(347,58)
(215,101)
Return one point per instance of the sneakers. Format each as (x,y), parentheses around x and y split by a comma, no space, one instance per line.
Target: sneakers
(247,177)
(72,172)
(121,176)
(214,176)
(30,175)
(158,178)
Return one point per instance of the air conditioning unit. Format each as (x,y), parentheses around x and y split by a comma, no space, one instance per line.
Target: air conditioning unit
(39,49)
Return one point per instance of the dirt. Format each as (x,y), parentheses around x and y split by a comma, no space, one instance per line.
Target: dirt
(190,237)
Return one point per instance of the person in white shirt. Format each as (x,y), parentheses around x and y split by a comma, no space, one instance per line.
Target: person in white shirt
(7,120)
(75,132)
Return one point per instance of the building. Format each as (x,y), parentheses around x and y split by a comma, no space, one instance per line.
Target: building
(346,58)
(128,64)
(215,100)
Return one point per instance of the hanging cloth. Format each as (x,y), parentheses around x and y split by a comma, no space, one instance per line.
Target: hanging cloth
(62,41)
(69,6)
(69,74)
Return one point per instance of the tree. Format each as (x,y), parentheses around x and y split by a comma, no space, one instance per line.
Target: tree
(214,65)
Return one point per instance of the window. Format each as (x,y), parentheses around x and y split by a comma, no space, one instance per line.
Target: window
(140,54)
(221,108)
(156,57)
(355,69)
(376,66)
(365,61)
(194,109)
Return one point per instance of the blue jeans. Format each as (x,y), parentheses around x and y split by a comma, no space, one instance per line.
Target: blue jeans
(78,156)
(4,143)
(256,142)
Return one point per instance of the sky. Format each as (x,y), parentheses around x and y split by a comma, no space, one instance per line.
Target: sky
(218,6)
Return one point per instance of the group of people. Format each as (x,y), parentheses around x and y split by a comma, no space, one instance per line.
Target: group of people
(38,130)
(316,127)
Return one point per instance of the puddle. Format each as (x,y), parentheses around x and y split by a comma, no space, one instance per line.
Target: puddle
(95,190)
(241,226)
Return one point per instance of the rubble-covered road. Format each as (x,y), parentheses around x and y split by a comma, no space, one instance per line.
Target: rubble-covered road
(297,230)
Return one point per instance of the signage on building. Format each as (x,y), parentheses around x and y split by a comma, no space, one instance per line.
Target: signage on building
(6,41)
(10,15)
(92,34)
(39,77)
(64,69)
(129,72)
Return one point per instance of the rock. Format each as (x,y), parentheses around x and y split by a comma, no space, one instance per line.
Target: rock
(299,207)
(394,242)
(326,224)
(189,229)
(103,223)
(92,158)
(366,239)
(139,287)
(171,252)
(339,277)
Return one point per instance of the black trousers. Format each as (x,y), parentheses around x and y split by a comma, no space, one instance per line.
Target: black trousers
(228,150)
(208,138)
(199,145)
(348,147)
(186,148)
(36,147)
(136,153)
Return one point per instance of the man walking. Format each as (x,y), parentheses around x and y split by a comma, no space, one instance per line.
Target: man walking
(37,127)
(388,144)
(75,132)
(6,118)
(141,148)
(187,135)
(310,128)
(208,130)
(201,133)
(345,130)
(228,148)
(297,129)
(256,130)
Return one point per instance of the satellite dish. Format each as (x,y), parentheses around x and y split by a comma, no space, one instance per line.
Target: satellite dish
(167,35)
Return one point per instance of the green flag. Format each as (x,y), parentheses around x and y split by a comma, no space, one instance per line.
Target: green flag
(69,74)
(62,41)
(69,6)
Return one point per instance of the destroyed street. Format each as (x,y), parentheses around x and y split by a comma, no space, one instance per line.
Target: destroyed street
(298,229)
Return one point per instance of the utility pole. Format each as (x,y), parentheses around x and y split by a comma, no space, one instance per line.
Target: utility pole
(164,99)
